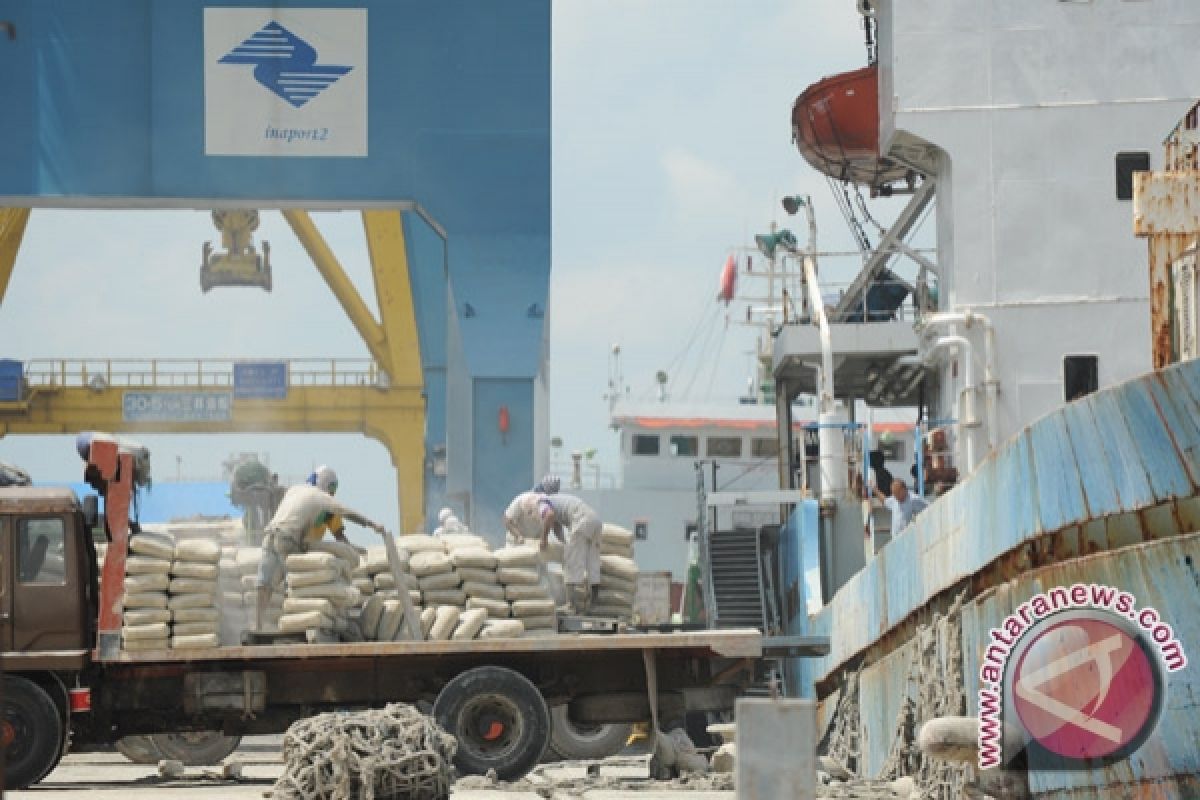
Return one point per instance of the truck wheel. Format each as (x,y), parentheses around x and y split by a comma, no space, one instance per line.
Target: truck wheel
(139,749)
(196,748)
(31,732)
(579,741)
(499,718)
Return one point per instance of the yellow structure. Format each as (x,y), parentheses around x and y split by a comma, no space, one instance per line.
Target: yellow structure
(382,398)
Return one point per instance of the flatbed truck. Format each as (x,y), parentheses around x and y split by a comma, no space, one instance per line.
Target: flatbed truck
(67,682)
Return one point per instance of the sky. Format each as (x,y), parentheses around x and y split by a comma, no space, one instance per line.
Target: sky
(671,146)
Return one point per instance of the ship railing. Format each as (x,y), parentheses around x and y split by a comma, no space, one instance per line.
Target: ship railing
(888,298)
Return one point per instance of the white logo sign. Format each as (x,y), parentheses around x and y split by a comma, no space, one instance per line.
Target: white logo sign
(285,82)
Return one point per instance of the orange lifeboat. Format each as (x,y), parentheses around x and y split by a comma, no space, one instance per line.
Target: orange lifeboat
(835,125)
(727,283)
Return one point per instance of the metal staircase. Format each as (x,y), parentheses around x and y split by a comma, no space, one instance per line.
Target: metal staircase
(736,575)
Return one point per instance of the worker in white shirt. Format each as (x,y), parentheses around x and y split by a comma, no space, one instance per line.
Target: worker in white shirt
(304,515)
(903,504)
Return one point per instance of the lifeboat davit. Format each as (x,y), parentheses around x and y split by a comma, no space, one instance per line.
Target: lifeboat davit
(728,281)
(835,125)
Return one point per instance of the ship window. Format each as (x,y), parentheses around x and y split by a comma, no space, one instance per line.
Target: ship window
(893,450)
(764,448)
(1127,164)
(723,446)
(685,446)
(645,445)
(641,529)
(41,556)
(1081,376)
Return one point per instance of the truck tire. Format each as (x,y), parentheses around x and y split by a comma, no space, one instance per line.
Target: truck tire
(196,748)
(499,718)
(578,741)
(139,749)
(31,732)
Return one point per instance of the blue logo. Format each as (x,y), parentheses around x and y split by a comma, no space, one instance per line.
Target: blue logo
(285,64)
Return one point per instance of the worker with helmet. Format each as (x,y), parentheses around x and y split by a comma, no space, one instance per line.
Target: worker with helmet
(306,512)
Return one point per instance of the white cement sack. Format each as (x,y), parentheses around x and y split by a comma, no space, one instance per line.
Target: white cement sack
(489,590)
(146,616)
(623,552)
(377,559)
(200,550)
(193,586)
(463,541)
(196,615)
(519,591)
(249,583)
(428,617)
(390,620)
(364,585)
(441,580)
(444,597)
(232,599)
(525,576)
(149,582)
(619,566)
(142,645)
(475,557)
(146,600)
(532,608)
(616,535)
(343,550)
(153,630)
(469,624)
(310,562)
(477,575)
(300,605)
(198,641)
(298,580)
(247,559)
(152,544)
(429,562)
(420,543)
(305,621)
(385,580)
(194,569)
(610,597)
(521,555)
(496,609)
(360,571)
(369,620)
(197,600)
(194,628)
(444,624)
(146,565)
(615,584)
(340,594)
(502,629)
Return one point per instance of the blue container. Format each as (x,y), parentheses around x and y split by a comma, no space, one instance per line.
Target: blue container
(12,380)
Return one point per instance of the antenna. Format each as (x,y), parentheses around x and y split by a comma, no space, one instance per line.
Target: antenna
(660,378)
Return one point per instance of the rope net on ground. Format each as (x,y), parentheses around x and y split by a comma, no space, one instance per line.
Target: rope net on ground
(382,754)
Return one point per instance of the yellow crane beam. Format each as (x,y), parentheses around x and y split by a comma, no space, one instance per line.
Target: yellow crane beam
(12,230)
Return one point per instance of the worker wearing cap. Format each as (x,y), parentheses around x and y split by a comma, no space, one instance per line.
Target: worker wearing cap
(577,524)
(304,515)
(523,518)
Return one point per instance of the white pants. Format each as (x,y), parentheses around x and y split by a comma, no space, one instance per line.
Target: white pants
(581,554)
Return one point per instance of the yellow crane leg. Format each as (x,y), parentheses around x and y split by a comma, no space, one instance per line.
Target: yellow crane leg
(12,230)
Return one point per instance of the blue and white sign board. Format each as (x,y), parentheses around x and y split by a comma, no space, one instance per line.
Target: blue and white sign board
(260,380)
(285,81)
(197,406)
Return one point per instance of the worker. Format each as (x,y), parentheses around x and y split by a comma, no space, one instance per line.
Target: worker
(581,557)
(522,518)
(306,512)
(903,504)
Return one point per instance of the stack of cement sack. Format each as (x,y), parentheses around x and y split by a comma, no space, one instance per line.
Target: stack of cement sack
(147,575)
(379,570)
(248,559)
(518,570)
(320,594)
(618,575)
(440,583)
(195,615)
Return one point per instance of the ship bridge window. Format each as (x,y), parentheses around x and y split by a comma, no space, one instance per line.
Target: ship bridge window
(1127,165)
(767,447)
(723,447)
(893,449)
(1081,376)
(685,446)
(645,444)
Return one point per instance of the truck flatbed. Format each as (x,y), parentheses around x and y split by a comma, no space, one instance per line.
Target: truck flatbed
(733,643)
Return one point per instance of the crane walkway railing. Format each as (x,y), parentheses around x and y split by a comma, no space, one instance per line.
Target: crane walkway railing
(183,373)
